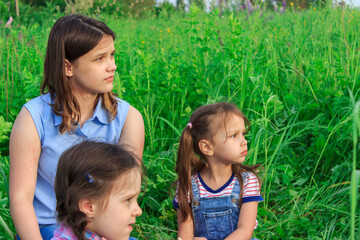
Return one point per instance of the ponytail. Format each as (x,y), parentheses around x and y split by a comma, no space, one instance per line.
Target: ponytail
(187,163)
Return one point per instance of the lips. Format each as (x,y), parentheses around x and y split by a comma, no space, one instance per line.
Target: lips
(130,227)
(244,152)
(111,78)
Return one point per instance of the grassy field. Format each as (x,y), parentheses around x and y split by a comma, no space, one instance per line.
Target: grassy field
(294,75)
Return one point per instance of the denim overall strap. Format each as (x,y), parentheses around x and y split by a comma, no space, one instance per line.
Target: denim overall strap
(195,190)
(215,218)
(237,187)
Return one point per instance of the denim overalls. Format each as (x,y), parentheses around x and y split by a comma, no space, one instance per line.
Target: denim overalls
(216,218)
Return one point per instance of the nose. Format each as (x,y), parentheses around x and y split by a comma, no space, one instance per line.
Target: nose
(137,210)
(243,141)
(111,65)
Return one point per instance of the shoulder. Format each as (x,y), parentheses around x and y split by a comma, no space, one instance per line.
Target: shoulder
(42,100)
(250,177)
(39,106)
(251,188)
(122,105)
(123,108)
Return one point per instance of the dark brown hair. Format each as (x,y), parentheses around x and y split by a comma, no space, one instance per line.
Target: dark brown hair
(88,171)
(190,159)
(71,37)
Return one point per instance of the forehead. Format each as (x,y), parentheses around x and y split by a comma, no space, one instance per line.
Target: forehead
(225,120)
(106,42)
(129,182)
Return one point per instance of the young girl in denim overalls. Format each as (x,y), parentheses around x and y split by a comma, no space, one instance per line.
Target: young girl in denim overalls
(217,197)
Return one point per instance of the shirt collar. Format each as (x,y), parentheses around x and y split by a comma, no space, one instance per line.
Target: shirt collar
(91,236)
(99,113)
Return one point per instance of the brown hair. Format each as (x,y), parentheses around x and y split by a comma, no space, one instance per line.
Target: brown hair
(88,170)
(71,37)
(190,159)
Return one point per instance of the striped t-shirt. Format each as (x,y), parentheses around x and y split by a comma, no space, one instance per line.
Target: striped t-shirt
(251,189)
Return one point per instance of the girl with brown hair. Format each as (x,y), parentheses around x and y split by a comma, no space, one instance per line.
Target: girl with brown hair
(217,196)
(77,104)
(97,185)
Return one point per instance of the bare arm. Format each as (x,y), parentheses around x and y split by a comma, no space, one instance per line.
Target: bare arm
(133,132)
(246,223)
(25,150)
(185,228)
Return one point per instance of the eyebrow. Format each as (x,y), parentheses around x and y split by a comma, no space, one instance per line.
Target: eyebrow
(132,194)
(103,53)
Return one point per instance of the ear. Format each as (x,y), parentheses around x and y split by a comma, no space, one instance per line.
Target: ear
(206,147)
(87,206)
(68,69)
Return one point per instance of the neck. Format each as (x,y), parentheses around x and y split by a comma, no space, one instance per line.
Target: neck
(87,104)
(216,175)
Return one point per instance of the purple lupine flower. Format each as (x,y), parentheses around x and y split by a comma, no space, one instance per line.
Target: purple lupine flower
(261,12)
(249,7)
(275,8)
(243,6)
(284,4)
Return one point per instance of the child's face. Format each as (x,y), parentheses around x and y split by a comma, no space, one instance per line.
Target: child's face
(94,72)
(229,144)
(114,221)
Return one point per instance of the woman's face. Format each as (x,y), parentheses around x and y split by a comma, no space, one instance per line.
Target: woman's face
(94,72)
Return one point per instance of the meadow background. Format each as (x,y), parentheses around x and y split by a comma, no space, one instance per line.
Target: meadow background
(294,73)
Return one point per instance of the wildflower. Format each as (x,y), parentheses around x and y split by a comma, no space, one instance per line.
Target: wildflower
(282,9)
(292,4)
(168,30)
(160,31)
(249,7)
(284,4)
(8,23)
(143,42)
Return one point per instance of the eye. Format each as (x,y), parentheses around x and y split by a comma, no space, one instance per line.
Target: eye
(233,135)
(129,200)
(99,59)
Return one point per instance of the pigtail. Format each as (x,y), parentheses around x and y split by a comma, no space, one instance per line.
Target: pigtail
(68,209)
(78,221)
(186,163)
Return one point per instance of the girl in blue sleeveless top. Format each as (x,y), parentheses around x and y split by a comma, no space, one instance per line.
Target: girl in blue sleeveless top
(77,104)
(217,196)
(97,199)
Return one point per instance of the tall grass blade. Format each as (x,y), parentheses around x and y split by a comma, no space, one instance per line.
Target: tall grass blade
(355,176)
(7,230)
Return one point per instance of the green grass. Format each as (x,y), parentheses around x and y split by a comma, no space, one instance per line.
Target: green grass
(295,76)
